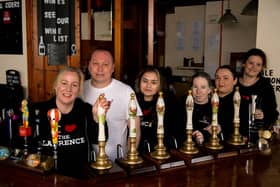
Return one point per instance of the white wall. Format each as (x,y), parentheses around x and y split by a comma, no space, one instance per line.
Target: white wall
(241,36)
(231,38)
(212,36)
(268,39)
(184,36)
(17,62)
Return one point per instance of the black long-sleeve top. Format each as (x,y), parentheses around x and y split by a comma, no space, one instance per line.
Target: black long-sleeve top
(149,122)
(77,132)
(226,115)
(266,100)
(202,117)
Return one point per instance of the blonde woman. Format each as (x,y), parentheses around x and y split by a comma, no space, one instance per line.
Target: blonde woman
(77,128)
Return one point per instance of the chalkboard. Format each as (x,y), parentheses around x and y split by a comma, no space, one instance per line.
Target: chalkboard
(10,27)
(56,25)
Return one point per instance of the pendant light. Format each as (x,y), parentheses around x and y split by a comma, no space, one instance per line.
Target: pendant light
(228,17)
(251,9)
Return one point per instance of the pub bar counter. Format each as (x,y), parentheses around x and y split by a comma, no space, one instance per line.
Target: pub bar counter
(244,170)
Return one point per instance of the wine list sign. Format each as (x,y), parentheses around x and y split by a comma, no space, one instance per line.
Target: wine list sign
(56,30)
(10,27)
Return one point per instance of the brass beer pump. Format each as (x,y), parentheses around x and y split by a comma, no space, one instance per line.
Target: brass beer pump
(102,162)
(214,142)
(236,138)
(160,150)
(188,147)
(132,154)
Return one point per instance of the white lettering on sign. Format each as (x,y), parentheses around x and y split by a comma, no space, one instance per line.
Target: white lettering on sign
(61,38)
(62,21)
(50,30)
(51,2)
(12,4)
(50,15)
(59,30)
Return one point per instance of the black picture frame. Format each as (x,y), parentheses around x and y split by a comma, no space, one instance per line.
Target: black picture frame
(11,27)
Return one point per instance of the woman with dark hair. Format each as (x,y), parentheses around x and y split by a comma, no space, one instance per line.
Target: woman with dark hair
(225,81)
(148,86)
(251,82)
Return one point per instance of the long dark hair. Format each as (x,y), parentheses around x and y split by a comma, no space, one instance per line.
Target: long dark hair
(146,69)
(254,52)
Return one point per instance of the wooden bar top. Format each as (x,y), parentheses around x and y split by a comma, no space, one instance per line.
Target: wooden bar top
(244,170)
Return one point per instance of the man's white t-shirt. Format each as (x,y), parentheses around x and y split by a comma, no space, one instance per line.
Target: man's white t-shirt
(117,115)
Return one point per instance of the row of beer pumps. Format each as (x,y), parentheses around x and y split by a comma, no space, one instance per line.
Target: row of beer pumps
(103,163)
(188,148)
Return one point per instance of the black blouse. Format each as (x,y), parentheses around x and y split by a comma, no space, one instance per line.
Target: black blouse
(266,101)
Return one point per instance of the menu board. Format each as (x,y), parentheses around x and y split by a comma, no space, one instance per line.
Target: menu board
(56,25)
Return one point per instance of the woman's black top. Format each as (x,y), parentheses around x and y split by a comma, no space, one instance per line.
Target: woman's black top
(226,116)
(266,101)
(202,117)
(149,123)
(77,132)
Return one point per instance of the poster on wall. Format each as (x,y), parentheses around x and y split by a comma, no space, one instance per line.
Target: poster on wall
(10,27)
(103,25)
(56,27)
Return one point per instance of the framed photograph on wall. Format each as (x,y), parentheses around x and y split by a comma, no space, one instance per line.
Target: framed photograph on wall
(103,25)
(102,17)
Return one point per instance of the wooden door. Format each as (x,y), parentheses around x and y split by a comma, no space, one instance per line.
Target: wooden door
(41,75)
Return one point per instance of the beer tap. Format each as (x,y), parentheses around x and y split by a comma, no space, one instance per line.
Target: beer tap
(54,116)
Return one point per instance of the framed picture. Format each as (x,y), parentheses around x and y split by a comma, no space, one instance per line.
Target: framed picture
(102,25)
(10,27)
(102,16)
(236,59)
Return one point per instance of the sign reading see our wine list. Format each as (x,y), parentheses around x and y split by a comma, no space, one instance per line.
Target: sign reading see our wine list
(56,30)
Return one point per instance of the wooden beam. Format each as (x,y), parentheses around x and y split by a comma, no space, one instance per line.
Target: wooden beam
(118,37)
(151,5)
(89,17)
